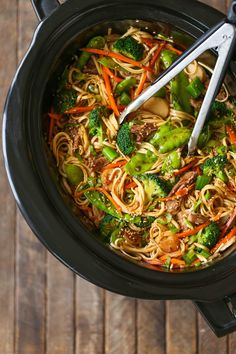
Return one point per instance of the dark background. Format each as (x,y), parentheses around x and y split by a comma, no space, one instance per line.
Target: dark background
(44,307)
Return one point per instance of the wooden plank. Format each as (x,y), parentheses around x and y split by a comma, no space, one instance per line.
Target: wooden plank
(208,342)
(30,291)
(120,322)
(60,308)
(232,343)
(151,327)
(181,332)
(89,318)
(30,253)
(8,39)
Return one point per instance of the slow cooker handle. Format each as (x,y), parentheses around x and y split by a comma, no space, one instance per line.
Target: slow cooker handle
(220,314)
(43,8)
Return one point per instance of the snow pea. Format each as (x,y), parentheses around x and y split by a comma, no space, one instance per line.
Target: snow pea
(161,132)
(174,139)
(74,174)
(171,162)
(125,85)
(178,86)
(140,163)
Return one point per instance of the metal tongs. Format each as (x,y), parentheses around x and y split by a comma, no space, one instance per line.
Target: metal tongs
(222,37)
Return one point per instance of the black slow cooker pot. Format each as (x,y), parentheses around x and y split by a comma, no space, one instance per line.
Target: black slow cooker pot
(62,30)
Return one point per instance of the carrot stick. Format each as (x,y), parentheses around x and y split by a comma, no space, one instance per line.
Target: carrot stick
(192,231)
(156,54)
(173,49)
(112,75)
(130,185)
(177,261)
(54,115)
(185,168)
(149,41)
(80,109)
(116,56)
(109,92)
(224,239)
(154,261)
(232,134)
(181,193)
(110,166)
(141,84)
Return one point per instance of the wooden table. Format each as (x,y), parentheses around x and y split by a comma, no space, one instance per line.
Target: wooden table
(44,307)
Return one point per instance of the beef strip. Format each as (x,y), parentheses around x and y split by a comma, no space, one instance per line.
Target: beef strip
(184,181)
(142,131)
(197,218)
(96,164)
(133,237)
(172,206)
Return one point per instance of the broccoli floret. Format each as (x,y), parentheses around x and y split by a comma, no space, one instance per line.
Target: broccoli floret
(219,109)
(210,235)
(154,186)
(215,167)
(107,225)
(64,100)
(129,47)
(95,122)
(125,139)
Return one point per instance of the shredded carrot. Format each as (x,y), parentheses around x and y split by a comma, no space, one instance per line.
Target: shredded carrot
(177,261)
(181,193)
(225,239)
(110,166)
(141,84)
(195,262)
(186,168)
(78,109)
(154,261)
(232,134)
(116,56)
(149,41)
(130,185)
(54,115)
(102,190)
(192,231)
(132,93)
(109,92)
(112,75)
(157,54)
(173,49)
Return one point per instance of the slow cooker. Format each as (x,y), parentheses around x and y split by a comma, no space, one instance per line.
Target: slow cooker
(61,31)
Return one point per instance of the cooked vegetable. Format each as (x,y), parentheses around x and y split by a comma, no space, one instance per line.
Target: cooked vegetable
(140,163)
(171,162)
(125,99)
(220,110)
(95,122)
(195,87)
(125,85)
(161,133)
(106,227)
(129,47)
(74,174)
(204,137)
(154,186)
(174,139)
(210,235)
(109,153)
(125,139)
(190,256)
(215,167)
(95,42)
(202,181)
(158,106)
(64,100)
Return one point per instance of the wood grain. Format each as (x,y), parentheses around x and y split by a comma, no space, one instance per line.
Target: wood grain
(8,39)
(207,341)
(217,4)
(60,329)
(30,253)
(120,321)
(89,318)
(151,327)
(181,333)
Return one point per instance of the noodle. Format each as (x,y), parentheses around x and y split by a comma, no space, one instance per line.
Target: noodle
(134,182)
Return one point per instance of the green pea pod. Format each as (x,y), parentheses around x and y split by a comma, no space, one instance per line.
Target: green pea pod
(125,98)
(162,131)
(110,63)
(195,87)
(204,137)
(109,153)
(140,163)
(178,86)
(161,93)
(95,42)
(125,85)
(74,174)
(172,162)
(174,139)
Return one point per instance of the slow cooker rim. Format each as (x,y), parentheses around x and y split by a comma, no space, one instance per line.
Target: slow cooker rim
(36,37)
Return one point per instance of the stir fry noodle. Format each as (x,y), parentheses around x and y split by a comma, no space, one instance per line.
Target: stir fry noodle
(134,182)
